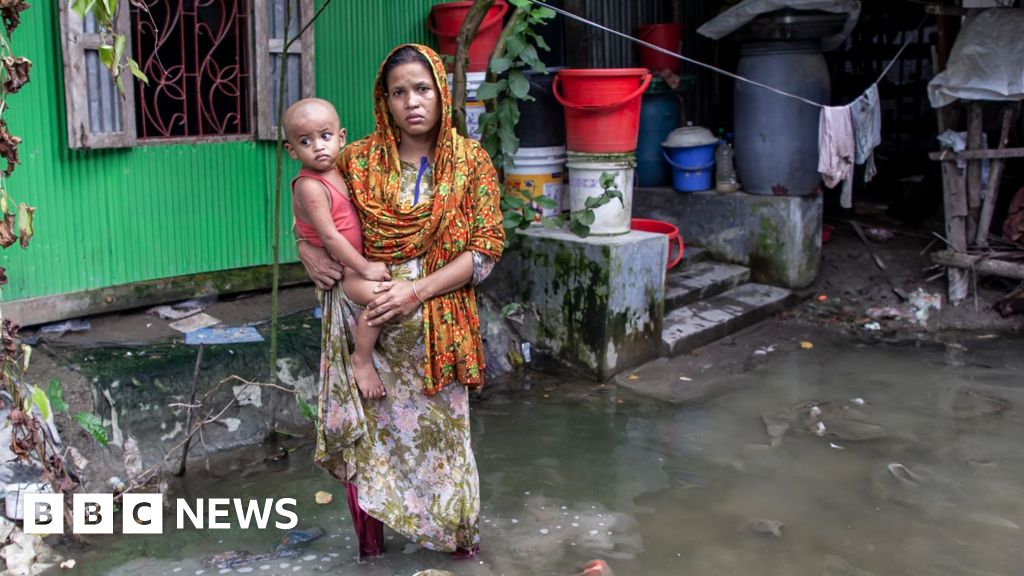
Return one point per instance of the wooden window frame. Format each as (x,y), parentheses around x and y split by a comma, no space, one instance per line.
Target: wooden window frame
(75,43)
(267,48)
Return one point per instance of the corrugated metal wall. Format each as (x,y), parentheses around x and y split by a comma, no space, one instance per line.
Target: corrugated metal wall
(112,217)
(609,51)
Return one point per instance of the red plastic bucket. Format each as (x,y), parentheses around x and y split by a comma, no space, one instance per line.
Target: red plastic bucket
(667,36)
(660,227)
(602,108)
(446,21)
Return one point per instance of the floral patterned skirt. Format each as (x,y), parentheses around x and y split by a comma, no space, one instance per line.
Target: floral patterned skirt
(408,454)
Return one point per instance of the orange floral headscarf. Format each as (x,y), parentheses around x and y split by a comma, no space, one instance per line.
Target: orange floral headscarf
(464,215)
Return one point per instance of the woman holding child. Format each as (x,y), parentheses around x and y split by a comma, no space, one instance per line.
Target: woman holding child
(428,201)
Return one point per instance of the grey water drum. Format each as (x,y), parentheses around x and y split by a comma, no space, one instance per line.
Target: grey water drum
(777,137)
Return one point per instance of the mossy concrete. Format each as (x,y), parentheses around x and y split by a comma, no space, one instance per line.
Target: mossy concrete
(599,300)
(777,237)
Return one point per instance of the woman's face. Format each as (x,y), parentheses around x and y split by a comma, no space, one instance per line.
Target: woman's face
(413,99)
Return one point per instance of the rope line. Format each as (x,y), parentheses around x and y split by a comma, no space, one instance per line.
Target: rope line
(732,75)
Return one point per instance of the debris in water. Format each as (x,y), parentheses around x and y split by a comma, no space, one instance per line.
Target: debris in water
(806,345)
(324,497)
(901,473)
(819,428)
(685,379)
(872,326)
(836,446)
(633,377)
(764,526)
(68,564)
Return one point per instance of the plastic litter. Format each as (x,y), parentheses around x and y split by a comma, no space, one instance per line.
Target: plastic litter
(184,309)
(225,335)
(923,303)
(75,325)
(195,322)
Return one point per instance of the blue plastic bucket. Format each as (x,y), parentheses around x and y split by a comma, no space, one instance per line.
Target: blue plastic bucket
(691,166)
(659,115)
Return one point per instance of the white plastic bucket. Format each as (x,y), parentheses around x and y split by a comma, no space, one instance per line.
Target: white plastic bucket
(474,108)
(538,170)
(585,181)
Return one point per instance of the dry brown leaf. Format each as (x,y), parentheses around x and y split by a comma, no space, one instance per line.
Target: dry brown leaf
(8,147)
(10,10)
(7,236)
(17,73)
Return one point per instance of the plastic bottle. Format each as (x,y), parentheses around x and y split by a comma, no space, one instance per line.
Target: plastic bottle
(725,169)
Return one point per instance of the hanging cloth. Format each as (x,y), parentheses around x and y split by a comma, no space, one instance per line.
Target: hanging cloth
(836,150)
(867,130)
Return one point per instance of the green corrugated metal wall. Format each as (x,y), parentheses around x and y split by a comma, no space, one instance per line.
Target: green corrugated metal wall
(114,217)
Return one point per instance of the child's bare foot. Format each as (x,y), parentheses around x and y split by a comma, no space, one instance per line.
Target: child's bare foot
(367,379)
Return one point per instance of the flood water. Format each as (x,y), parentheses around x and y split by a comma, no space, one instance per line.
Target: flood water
(918,471)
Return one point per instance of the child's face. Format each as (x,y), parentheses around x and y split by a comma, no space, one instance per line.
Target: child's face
(315,137)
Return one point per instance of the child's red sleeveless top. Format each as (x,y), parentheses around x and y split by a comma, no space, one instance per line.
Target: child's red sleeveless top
(343,212)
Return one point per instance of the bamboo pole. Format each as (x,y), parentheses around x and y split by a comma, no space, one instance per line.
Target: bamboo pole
(955,204)
(991,193)
(981,264)
(974,136)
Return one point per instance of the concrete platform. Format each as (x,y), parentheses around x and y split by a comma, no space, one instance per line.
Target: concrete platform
(713,318)
(600,300)
(778,237)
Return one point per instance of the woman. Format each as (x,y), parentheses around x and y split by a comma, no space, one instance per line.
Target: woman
(428,200)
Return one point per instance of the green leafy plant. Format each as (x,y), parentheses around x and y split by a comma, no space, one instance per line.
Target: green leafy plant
(580,221)
(92,424)
(111,50)
(507,85)
(308,410)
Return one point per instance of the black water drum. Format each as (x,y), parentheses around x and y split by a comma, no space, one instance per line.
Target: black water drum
(541,122)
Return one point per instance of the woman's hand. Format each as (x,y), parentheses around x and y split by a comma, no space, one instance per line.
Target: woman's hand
(397,299)
(323,270)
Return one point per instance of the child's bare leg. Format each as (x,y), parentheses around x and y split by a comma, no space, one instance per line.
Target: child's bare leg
(367,379)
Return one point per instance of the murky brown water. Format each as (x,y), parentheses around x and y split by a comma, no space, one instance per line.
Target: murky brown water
(919,471)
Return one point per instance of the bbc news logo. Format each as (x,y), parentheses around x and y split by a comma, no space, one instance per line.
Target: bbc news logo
(144,513)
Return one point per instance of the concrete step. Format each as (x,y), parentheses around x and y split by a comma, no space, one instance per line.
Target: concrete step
(708,320)
(702,280)
(691,255)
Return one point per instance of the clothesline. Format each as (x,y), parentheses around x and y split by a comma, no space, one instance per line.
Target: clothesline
(715,69)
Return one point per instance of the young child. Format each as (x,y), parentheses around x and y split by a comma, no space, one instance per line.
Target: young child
(325,216)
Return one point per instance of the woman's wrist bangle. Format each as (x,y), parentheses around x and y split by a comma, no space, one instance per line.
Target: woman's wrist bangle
(417,294)
(300,240)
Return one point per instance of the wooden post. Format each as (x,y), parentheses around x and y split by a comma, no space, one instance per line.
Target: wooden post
(983,265)
(955,203)
(974,135)
(994,178)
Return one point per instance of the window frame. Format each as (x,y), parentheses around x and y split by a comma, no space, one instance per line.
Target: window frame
(266,48)
(75,43)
